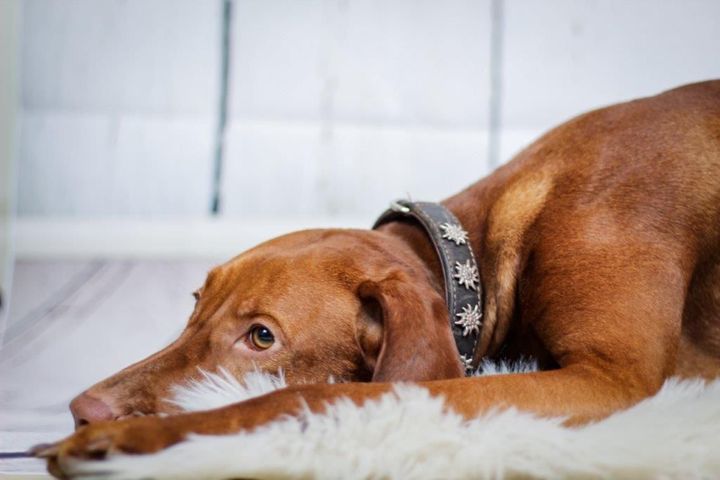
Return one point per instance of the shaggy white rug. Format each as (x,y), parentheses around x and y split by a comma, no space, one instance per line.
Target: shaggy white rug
(410,435)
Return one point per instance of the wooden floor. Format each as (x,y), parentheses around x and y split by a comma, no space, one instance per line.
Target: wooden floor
(72,323)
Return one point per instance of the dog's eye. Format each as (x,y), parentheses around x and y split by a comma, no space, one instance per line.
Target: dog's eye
(261,337)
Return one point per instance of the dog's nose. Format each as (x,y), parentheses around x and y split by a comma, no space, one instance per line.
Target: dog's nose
(87,409)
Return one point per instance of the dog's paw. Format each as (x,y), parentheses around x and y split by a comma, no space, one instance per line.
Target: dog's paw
(97,441)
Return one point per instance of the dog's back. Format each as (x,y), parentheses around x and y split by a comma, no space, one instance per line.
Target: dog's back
(648,169)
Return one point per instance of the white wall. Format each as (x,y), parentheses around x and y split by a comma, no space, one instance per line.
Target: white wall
(341,106)
(119,107)
(564,57)
(335,107)
(9,104)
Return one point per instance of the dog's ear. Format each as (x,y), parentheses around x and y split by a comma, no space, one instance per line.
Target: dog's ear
(403,332)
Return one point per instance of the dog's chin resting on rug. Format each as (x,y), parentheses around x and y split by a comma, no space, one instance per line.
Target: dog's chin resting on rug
(410,434)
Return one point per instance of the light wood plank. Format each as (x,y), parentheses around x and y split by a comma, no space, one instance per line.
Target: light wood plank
(125,311)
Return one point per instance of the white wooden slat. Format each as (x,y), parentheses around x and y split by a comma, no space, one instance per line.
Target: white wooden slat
(163,166)
(338,60)
(92,164)
(158,56)
(62,163)
(564,57)
(275,55)
(377,165)
(411,61)
(332,100)
(119,103)
(275,168)
(271,168)
(161,238)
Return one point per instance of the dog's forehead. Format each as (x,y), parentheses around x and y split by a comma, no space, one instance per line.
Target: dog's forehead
(312,249)
(297,269)
(293,286)
(269,269)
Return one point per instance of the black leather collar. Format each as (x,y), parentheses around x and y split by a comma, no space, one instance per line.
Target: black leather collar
(463,290)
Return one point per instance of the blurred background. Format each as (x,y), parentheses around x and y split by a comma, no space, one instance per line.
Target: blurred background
(143,141)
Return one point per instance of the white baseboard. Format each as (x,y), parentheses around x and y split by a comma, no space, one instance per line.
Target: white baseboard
(44,238)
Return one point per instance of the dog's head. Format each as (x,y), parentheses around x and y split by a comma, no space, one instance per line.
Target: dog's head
(355,305)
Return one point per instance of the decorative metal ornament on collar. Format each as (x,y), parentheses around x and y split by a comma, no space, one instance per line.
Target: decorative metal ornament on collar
(463,290)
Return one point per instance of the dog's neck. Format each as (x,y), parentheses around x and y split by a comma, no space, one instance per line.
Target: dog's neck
(418,242)
(437,238)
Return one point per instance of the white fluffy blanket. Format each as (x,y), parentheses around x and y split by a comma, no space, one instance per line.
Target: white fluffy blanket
(410,435)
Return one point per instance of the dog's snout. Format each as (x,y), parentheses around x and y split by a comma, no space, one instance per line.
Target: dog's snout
(87,409)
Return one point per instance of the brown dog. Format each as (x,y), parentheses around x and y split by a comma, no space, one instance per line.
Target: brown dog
(599,253)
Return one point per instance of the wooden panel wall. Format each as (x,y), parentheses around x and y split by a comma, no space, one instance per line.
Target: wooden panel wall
(119,107)
(335,106)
